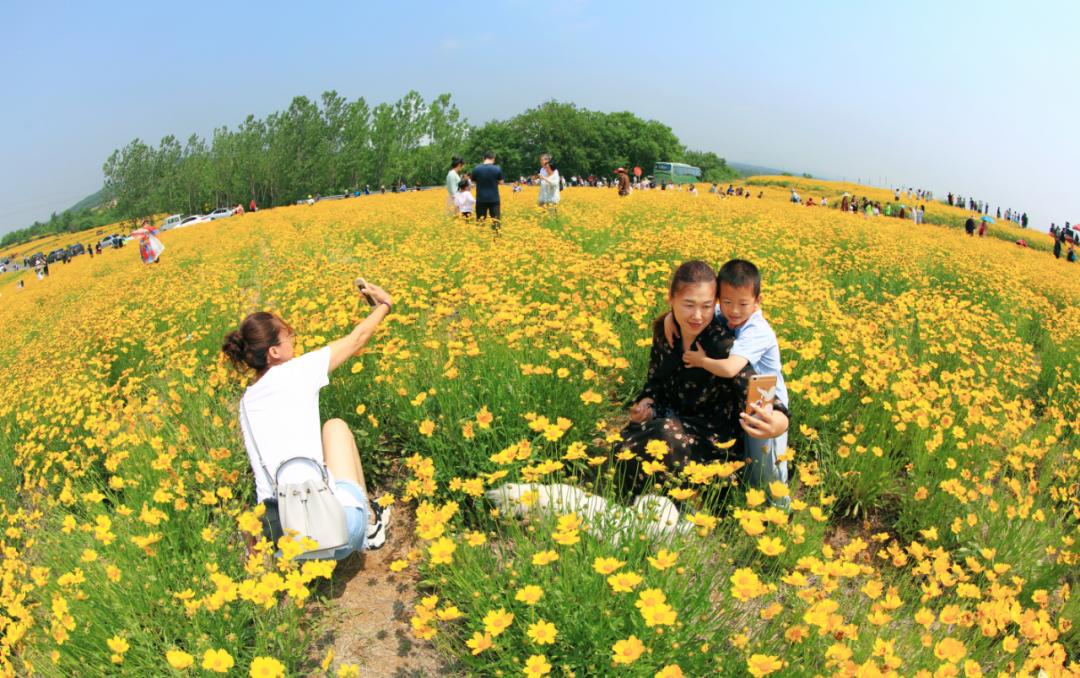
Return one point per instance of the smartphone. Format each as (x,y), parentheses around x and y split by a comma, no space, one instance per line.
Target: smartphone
(761,390)
(360,285)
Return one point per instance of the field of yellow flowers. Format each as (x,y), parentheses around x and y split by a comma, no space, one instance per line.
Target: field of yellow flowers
(934,446)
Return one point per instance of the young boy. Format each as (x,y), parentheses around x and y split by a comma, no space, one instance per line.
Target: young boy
(739,307)
(464,200)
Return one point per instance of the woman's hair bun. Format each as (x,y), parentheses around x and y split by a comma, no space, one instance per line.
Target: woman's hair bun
(234,347)
(250,345)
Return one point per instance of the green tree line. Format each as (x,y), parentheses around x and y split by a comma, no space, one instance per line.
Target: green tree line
(334,145)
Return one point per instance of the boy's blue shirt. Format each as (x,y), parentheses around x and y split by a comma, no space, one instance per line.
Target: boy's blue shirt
(756,341)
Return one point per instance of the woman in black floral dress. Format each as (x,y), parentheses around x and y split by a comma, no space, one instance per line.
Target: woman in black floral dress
(689,409)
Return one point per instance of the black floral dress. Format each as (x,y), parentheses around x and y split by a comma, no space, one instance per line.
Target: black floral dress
(694,410)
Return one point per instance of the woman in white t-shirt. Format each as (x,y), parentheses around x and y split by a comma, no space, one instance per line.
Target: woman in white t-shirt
(549,183)
(280,415)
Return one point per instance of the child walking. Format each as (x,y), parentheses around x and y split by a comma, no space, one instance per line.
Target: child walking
(464,200)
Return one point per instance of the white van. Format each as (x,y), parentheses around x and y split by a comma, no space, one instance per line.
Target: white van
(172,222)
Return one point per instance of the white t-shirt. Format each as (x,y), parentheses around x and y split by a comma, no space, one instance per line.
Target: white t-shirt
(464,201)
(283,410)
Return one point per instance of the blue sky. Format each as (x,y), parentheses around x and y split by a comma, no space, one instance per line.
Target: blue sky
(979,98)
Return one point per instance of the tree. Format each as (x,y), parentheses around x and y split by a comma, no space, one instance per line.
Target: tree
(332,144)
(713,167)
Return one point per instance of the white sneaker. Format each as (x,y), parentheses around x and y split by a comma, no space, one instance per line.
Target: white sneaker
(376,530)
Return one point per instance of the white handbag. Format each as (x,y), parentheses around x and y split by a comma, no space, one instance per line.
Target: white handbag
(310,508)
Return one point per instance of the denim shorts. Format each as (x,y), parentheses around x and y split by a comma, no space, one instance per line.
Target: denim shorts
(356,519)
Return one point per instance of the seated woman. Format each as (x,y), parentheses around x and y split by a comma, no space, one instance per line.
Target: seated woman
(686,407)
(280,418)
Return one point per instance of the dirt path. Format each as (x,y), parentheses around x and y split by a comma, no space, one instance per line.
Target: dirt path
(369,610)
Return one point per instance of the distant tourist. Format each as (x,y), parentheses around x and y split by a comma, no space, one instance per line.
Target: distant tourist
(624,182)
(488,176)
(453,178)
(253,207)
(969,226)
(549,183)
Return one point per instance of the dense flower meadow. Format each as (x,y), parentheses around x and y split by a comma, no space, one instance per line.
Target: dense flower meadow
(936,464)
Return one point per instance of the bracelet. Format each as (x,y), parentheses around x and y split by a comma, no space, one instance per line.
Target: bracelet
(389,307)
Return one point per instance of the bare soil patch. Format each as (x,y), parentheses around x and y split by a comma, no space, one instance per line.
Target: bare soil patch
(368,611)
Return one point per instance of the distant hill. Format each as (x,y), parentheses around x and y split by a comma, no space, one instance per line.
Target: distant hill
(747,169)
(89,202)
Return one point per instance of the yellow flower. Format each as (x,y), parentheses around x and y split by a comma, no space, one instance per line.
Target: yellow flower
(473,538)
(745,584)
(591,397)
(266,667)
(664,559)
(529,595)
(627,651)
(605,566)
(950,650)
(497,621)
(484,418)
(450,613)
(218,661)
(669,671)
(755,497)
(537,665)
(427,427)
(681,493)
(770,546)
(778,489)
(178,659)
(479,642)
(118,644)
(762,665)
(385,500)
(657,449)
(542,632)
(624,582)
(442,551)
(544,557)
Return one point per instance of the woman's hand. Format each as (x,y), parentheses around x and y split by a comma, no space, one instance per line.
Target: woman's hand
(642,411)
(377,293)
(694,357)
(765,422)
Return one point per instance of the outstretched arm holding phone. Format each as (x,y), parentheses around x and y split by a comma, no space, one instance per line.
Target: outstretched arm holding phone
(345,347)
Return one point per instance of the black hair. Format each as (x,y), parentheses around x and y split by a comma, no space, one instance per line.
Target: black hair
(463,184)
(741,273)
(251,344)
(489,155)
(455,161)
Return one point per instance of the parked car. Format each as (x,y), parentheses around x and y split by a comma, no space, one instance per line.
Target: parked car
(111,241)
(192,220)
(76,249)
(172,222)
(219,213)
(56,255)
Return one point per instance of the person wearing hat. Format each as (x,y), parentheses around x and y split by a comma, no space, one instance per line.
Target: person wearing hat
(624,181)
